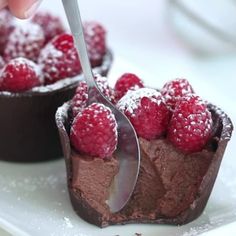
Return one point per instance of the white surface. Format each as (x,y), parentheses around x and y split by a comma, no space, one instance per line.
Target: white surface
(201,27)
(33,197)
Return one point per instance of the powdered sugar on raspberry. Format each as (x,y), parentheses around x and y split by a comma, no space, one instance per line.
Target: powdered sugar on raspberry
(175,89)
(101,109)
(59,59)
(25,62)
(50,24)
(94,131)
(171,92)
(60,84)
(191,124)
(6,25)
(131,100)
(26,40)
(80,98)
(51,54)
(95,38)
(104,87)
(49,50)
(19,75)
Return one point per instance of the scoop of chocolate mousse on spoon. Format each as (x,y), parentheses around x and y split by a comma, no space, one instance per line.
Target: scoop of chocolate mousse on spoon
(128,152)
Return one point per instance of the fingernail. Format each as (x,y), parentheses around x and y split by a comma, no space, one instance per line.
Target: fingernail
(3,3)
(33,7)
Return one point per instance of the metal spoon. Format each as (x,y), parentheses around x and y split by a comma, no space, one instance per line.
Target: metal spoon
(127,152)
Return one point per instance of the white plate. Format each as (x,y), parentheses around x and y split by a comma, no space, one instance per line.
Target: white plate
(34,198)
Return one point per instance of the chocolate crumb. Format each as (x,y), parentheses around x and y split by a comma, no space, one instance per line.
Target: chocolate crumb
(138,234)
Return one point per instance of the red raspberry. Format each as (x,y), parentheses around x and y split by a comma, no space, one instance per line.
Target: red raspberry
(147,111)
(63,42)
(20,74)
(95,37)
(25,41)
(191,124)
(174,90)
(94,131)
(51,25)
(5,27)
(79,101)
(104,87)
(127,81)
(59,59)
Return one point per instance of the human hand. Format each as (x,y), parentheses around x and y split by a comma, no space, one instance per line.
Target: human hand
(21,8)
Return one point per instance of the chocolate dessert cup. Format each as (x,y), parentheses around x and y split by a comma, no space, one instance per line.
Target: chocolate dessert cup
(28,131)
(172,187)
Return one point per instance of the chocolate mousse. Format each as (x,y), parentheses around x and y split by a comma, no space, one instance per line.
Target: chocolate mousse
(172,187)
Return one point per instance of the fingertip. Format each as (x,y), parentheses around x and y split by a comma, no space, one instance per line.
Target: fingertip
(23,8)
(3,3)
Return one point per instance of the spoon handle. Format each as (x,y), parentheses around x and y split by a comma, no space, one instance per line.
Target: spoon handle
(73,15)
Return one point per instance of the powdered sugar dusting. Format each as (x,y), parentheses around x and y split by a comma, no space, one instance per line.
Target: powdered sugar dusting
(6,25)
(104,87)
(49,50)
(175,89)
(52,56)
(97,109)
(182,84)
(57,85)
(191,130)
(131,100)
(79,100)
(68,222)
(59,59)
(51,24)
(94,131)
(23,62)
(95,37)
(25,41)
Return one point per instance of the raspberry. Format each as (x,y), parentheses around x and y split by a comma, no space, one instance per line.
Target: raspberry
(25,41)
(174,90)
(51,25)
(19,74)
(191,124)
(127,82)
(95,37)
(59,59)
(104,87)
(94,131)
(63,42)
(79,100)
(5,27)
(147,111)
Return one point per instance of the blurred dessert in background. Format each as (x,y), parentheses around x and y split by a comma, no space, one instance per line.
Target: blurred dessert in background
(40,70)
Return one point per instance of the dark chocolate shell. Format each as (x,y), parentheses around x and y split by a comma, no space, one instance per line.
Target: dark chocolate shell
(221,135)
